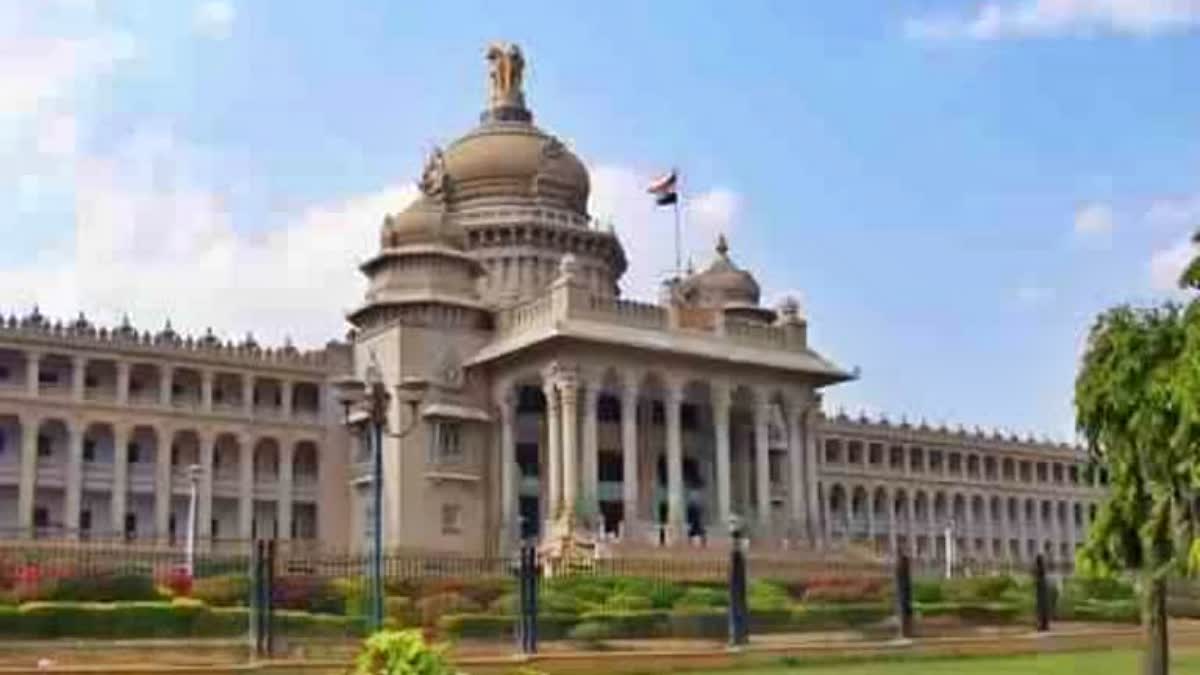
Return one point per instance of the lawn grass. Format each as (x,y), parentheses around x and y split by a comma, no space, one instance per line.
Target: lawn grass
(1121,662)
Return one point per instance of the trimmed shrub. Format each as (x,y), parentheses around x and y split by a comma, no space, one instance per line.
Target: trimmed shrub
(833,617)
(104,588)
(307,594)
(627,602)
(926,590)
(990,588)
(764,596)
(1097,588)
(1105,611)
(835,589)
(699,597)
(483,592)
(179,582)
(478,626)
(975,612)
(557,601)
(402,610)
(231,590)
(431,608)
(591,632)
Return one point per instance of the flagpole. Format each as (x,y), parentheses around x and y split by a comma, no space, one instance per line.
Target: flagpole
(678,253)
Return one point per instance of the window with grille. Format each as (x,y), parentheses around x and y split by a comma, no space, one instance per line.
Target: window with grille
(447,442)
(451,519)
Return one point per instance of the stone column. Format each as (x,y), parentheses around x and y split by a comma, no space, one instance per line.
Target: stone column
(123,370)
(722,402)
(285,394)
(285,492)
(794,421)
(162,482)
(33,375)
(870,506)
(206,390)
(826,515)
(506,406)
(762,461)
(553,453)
(165,376)
(74,491)
(971,525)
(911,529)
(890,505)
(569,392)
(676,503)
(28,480)
(629,454)
(245,486)
(78,377)
(205,489)
(591,448)
(812,455)
(120,485)
(248,394)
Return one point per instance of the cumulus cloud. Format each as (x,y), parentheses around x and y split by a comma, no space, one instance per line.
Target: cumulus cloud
(152,243)
(1167,264)
(647,231)
(214,19)
(1013,19)
(1175,212)
(1094,221)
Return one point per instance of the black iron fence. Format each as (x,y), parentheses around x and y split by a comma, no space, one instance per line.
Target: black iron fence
(280,595)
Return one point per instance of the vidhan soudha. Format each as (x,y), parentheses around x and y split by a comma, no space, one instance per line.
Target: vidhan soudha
(529,400)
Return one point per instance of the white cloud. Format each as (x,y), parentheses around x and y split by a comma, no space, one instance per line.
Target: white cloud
(1054,18)
(1094,221)
(214,19)
(1175,212)
(1167,264)
(1034,295)
(150,242)
(647,231)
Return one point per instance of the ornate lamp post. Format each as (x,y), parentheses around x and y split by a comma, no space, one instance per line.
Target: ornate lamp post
(371,400)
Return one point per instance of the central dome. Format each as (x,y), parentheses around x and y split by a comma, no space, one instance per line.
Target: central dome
(509,158)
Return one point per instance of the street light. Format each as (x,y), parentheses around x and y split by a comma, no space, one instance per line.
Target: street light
(190,546)
(371,398)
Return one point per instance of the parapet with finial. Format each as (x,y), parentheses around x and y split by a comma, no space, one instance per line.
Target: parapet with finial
(81,333)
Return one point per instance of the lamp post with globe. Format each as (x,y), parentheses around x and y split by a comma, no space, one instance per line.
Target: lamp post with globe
(369,402)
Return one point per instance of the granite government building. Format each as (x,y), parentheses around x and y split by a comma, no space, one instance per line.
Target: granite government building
(536,402)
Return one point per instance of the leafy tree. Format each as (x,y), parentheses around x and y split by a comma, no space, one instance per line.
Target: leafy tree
(392,652)
(1137,403)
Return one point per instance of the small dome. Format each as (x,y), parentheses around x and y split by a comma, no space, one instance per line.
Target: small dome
(723,284)
(422,222)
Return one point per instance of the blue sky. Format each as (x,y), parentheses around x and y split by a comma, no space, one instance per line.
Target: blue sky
(953,189)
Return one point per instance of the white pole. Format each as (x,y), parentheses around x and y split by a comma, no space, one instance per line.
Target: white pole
(190,550)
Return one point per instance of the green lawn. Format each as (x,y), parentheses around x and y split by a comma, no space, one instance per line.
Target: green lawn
(1084,663)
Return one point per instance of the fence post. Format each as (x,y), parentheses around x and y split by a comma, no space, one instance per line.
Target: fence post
(1042,593)
(904,601)
(256,599)
(268,597)
(739,633)
(529,599)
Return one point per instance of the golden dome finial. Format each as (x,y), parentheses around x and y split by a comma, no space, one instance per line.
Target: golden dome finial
(722,245)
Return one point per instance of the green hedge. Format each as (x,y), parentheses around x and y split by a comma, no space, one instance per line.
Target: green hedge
(975,612)
(178,619)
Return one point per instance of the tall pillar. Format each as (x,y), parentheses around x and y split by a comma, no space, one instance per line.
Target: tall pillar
(28,479)
(285,393)
(971,526)
(812,454)
(629,454)
(78,377)
(591,448)
(676,505)
(248,394)
(33,374)
(165,377)
(205,489)
(123,370)
(721,403)
(762,459)
(508,470)
(206,390)
(163,459)
(245,486)
(120,484)
(890,505)
(826,516)
(285,492)
(910,529)
(553,453)
(569,392)
(74,491)
(794,421)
